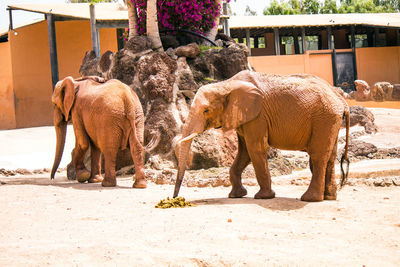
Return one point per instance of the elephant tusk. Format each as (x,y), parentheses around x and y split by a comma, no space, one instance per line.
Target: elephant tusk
(191,136)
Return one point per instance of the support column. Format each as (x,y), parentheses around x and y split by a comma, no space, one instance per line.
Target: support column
(277,42)
(376,34)
(53,49)
(248,40)
(303,39)
(227,31)
(353,37)
(329,36)
(255,42)
(94,31)
(11,26)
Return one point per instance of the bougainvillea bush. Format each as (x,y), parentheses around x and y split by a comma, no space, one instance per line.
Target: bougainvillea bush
(194,15)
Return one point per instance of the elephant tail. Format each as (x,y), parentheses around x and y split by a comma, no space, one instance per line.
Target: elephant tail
(344,158)
(153,143)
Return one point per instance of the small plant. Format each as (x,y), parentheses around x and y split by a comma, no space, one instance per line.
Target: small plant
(205,48)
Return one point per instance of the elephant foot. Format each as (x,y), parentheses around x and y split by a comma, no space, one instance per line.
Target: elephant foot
(238,192)
(82,175)
(265,194)
(96,179)
(330,192)
(312,196)
(109,183)
(330,196)
(140,183)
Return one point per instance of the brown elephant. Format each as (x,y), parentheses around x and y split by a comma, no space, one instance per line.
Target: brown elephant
(106,116)
(297,112)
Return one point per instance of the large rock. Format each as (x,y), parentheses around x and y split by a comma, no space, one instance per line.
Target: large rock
(359,148)
(396,92)
(191,50)
(219,64)
(360,115)
(363,92)
(166,83)
(382,91)
(214,148)
(89,64)
(155,73)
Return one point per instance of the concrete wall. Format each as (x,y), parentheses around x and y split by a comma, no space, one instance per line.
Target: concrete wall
(31,75)
(377,64)
(317,64)
(74,39)
(7,111)
(26,75)
(374,64)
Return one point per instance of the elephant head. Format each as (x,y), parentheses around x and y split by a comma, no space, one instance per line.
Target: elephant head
(225,105)
(63,98)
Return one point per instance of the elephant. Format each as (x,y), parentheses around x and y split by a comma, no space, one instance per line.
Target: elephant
(106,116)
(294,112)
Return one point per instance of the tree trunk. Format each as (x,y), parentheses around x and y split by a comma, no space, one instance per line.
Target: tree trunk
(152,25)
(132,18)
(213,32)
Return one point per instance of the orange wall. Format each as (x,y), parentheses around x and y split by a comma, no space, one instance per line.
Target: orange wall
(31,72)
(321,65)
(377,64)
(7,112)
(31,75)
(317,64)
(279,64)
(73,40)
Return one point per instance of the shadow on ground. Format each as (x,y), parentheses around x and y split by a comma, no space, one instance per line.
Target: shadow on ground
(64,183)
(277,203)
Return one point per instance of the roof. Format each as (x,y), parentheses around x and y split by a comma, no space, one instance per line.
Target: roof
(115,11)
(104,11)
(315,20)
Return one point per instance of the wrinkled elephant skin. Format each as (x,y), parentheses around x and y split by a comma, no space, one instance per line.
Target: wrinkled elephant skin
(106,116)
(296,112)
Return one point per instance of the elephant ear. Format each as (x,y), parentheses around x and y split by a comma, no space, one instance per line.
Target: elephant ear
(68,89)
(244,103)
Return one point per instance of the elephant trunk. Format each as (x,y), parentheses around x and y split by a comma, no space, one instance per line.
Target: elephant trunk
(182,160)
(61,132)
(193,127)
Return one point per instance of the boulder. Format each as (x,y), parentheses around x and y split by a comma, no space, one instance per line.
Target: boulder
(89,65)
(214,148)
(396,92)
(358,148)
(191,50)
(382,91)
(155,72)
(217,64)
(360,115)
(166,83)
(362,92)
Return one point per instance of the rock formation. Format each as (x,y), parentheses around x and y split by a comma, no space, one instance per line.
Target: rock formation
(166,82)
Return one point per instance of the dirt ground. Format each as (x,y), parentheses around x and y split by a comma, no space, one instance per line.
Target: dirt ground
(66,223)
(62,222)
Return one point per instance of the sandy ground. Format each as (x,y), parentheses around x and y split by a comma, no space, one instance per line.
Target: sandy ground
(61,222)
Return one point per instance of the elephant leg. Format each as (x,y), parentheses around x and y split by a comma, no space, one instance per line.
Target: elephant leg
(137,156)
(235,173)
(330,182)
(110,158)
(81,146)
(95,155)
(315,191)
(255,135)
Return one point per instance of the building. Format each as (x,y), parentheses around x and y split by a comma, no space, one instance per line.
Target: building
(35,56)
